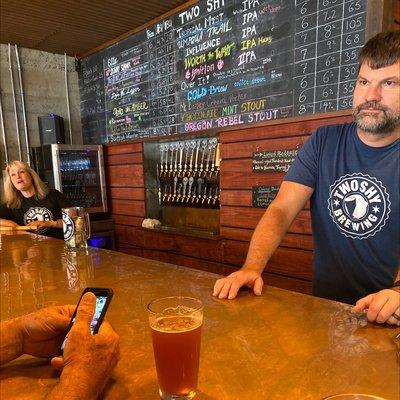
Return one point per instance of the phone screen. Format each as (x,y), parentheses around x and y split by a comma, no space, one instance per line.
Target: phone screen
(101,302)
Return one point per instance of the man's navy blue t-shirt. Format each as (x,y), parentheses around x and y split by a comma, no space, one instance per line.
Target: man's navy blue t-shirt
(355,211)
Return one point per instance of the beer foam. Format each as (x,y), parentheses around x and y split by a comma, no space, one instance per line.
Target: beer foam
(174,323)
(179,310)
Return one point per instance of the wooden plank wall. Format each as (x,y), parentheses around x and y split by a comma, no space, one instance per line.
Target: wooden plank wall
(291,265)
(125,189)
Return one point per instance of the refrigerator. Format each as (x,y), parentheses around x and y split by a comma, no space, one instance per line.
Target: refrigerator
(75,170)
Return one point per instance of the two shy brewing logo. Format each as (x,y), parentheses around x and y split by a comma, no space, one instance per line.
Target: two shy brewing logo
(38,214)
(359,205)
(68,226)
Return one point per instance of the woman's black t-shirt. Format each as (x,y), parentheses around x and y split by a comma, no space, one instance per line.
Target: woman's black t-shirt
(33,209)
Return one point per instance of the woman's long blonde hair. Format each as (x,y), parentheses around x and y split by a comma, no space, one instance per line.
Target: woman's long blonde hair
(13,197)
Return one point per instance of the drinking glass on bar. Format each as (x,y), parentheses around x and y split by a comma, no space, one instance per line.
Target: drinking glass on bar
(76,227)
(175,324)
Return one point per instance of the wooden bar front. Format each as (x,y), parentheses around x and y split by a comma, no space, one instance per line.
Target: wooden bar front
(282,345)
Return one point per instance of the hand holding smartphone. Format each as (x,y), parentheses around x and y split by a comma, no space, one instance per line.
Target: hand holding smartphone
(103,299)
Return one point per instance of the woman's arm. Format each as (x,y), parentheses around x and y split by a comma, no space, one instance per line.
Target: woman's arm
(7,222)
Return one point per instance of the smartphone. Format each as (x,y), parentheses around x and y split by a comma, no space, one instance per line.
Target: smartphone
(103,299)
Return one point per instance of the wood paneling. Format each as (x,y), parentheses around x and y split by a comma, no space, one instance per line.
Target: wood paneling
(122,159)
(123,148)
(294,240)
(248,217)
(127,220)
(128,207)
(129,235)
(126,193)
(125,175)
(238,174)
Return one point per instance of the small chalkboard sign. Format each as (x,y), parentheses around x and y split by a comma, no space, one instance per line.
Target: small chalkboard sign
(263,195)
(274,160)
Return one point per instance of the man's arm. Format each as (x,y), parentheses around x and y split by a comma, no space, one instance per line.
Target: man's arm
(268,234)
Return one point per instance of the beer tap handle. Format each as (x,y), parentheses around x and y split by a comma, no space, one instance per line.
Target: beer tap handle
(180,158)
(196,159)
(158,186)
(165,194)
(185,166)
(161,159)
(176,160)
(204,194)
(216,194)
(171,161)
(200,182)
(207,167)
(165,167)
(185,182)
(179,192)
(203,152)
(192,146)
(217,158)
(191,179)
(214,145)
(169,193)
(175,183)
(209,195)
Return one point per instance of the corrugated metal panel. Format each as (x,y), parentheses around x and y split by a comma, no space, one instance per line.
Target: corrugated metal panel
(74,26)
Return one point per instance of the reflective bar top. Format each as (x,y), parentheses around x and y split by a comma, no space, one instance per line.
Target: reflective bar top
(282,345)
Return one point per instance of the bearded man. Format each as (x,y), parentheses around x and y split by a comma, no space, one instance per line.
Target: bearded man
(351,175)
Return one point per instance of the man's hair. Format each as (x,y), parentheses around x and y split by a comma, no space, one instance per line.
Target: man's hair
(382,50)
(13,197)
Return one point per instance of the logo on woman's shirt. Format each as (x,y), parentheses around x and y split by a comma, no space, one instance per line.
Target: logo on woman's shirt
(359,205)
(38,214)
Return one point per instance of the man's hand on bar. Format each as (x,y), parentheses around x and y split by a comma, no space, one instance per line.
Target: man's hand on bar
(382,306)
(88,360)
(229,286)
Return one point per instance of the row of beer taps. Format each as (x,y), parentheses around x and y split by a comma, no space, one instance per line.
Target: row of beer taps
(189,191)
(188,173)
(197,157)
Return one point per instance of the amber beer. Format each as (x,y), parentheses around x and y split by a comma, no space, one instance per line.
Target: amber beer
(176,332)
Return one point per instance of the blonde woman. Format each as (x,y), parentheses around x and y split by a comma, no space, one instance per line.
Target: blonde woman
(28,201)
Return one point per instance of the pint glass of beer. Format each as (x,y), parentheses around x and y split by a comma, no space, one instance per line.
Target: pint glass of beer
(175,324)
(76,227)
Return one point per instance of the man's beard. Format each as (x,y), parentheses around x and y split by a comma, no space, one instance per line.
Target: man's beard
(381,124)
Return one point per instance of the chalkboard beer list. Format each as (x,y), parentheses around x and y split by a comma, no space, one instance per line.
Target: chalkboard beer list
(126,90)
(91,88)
(223,63)
(234,63)
(162,78)
(328,36)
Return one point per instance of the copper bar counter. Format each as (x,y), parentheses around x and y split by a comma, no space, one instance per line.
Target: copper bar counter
(282,345)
